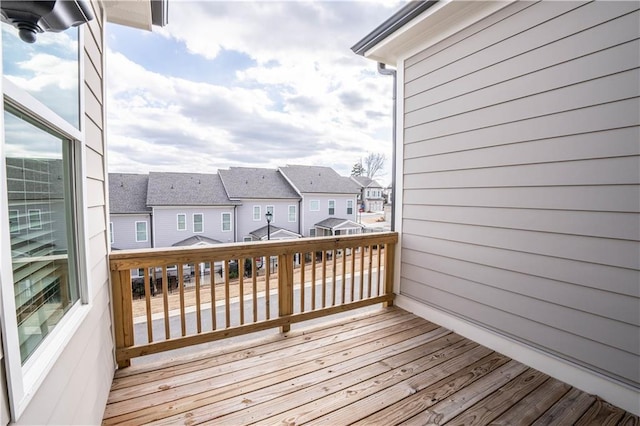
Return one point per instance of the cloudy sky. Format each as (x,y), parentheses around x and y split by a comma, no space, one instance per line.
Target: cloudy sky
(256,84)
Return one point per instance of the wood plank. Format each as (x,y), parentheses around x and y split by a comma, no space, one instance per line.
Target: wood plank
(601,414)
(239,380)
(567,410)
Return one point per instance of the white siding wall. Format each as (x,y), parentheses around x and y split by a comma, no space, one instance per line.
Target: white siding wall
(521,179)
(166,227)
(76,389)
(310,218)
(246,224)
(124,231)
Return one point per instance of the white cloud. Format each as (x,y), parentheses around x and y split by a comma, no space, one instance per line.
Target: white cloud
(307,99)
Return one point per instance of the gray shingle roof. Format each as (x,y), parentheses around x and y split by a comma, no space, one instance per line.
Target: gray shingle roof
(186,189)
(366,182)
(128,193)
(319,179)
(333,222)
(195,240)
(246,182)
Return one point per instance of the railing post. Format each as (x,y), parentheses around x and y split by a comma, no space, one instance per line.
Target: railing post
(122,312)
(389,264)
(285,288)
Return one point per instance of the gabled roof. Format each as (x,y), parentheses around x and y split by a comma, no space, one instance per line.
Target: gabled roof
(366,182)
(186,189)
(128,193)
(247,182)
(196,240)
(318,179)
(335,223)
(276,232)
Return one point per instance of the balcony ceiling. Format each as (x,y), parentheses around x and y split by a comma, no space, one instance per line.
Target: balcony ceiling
(140,14)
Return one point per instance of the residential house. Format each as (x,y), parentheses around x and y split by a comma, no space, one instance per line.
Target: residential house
(371,197)
(188,205)
(325,195)
(518,187)
(57,345)
(129,215)
(258,191)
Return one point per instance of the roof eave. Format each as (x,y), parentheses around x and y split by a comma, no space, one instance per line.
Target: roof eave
(141,14)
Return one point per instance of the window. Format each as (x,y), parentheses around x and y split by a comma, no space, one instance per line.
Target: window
(182,222)
(111,240)
(247,239)
(332,207)
(314,205)
(35,219)
(43,254)
(257,213)
(271,209)
(292,213)
(349,206)
(198,223)
(226,222)
(14,221)
(312,232)
(141,232)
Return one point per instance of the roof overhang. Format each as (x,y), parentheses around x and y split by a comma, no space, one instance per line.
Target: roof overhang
(142,14)
(420,24)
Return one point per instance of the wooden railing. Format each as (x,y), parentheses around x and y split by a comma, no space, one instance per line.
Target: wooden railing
(188,296)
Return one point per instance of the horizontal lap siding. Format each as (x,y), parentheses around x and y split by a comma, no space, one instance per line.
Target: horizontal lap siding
(521,179)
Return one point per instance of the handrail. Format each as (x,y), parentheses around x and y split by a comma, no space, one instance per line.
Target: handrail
(314,277)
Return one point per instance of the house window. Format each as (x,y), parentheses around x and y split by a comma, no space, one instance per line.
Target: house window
(198,223)
(35,219)
(111,240)
(349,206)
(14,221)
(332,207)
(247,239)
(141,232)
(226,222)
(312,232)
(182,222)
(257,213)
(314,205)
(292,213)
(271,209)
(44,262)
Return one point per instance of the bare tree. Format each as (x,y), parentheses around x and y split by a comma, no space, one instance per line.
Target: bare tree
(373,163)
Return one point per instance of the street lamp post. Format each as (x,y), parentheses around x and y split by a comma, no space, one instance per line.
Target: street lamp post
(269,216)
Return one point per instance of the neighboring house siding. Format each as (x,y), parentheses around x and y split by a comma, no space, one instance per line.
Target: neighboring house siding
(166,231)
(76,388)
(310,218)
(246,224)
(520,179)
(124,231)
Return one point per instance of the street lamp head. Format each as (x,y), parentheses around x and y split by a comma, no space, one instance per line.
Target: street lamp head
(269,216)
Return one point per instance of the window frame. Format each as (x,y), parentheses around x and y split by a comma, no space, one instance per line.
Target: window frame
(23,380)
(193,223)
(111,234)
(146,231)
(290,213)
(222,221)
(38,221)
(311,203)
(257,217)
(331,207)
(184,216)
(350,205)
(272,209)
(15,217)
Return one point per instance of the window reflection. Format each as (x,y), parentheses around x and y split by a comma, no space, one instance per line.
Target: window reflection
(47,70)
(41,222)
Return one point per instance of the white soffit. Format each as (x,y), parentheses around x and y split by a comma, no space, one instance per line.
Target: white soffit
(438,22)
(131,13)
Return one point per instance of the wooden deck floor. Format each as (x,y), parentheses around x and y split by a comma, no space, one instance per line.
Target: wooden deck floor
(385,368)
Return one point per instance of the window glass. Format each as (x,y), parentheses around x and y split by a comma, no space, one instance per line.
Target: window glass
(198,222)
(256,213)
(226,221)
(270,209)
(47,69)
(314,205)
(332,207)
(141,232)
(39,176)
(182,222)
(292,213)
(349,206)
(312,232)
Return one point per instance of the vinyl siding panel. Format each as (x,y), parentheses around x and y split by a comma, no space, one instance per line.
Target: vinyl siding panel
(124,231)
(246,224)
(166,225)
(521,188)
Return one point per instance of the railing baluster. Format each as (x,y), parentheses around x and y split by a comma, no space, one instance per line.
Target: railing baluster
(254,274)
(379,270)
(241,288)
(165,302)
(302,268)
(313,280)
(344,276)
(353,273)
(147,296)
(196,268)
(324,278)
(227,312)
(183,319)
(267,296)
(370,278)
(212,284)
(362,272)
(334,254)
